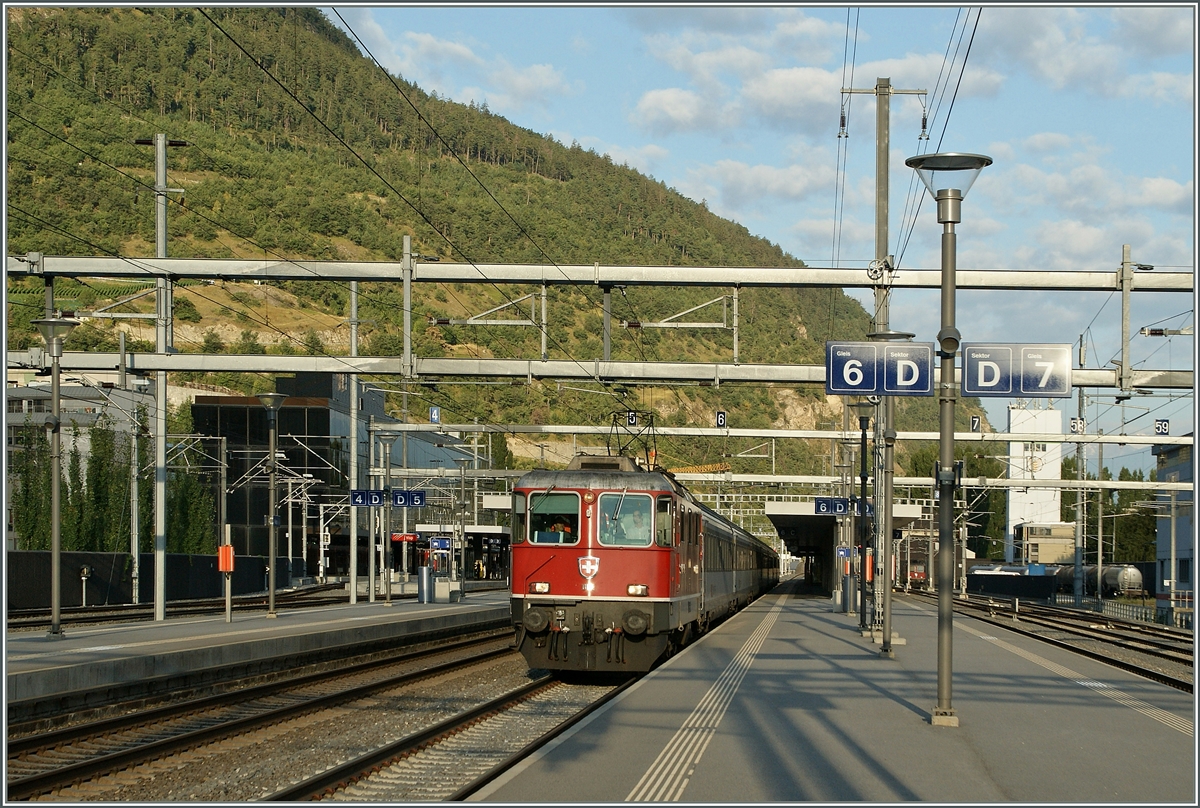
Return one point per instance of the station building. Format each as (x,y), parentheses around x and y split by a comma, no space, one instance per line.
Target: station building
(1175,534)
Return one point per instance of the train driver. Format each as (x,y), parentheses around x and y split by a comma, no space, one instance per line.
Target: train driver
(635,526)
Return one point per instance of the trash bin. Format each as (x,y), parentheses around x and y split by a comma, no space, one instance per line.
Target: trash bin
(424,585)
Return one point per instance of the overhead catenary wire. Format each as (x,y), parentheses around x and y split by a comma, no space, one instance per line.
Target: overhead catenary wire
(248,312)
(367,164)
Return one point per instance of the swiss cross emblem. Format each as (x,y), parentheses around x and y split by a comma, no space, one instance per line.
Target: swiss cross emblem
(589,566)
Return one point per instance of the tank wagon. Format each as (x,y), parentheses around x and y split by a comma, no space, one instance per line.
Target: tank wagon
(614,566)
(1117,579)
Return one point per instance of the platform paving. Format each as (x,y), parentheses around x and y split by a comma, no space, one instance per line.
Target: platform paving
(37,666)
(787,702)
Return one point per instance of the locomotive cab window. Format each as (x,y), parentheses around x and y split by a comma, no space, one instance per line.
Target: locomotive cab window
(665,535)
(519,522)
(625,520)
(553,518)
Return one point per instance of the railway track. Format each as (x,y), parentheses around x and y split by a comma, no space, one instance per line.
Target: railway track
(49,762)
(1159,653)
(320,595)
(456,757)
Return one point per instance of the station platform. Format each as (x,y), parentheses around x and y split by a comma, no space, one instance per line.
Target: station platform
(786,701)
(133,657)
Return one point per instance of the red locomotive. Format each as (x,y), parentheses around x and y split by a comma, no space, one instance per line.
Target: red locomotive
(614,565)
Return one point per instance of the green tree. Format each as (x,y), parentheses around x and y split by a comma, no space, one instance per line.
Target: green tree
(212,344)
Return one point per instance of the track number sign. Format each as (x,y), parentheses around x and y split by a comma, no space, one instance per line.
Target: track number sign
(1012,370)
(872,368)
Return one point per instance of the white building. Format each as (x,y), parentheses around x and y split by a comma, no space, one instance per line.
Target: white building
(1032,460)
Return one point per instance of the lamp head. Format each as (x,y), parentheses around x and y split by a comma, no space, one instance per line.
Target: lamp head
(54,330)
(949,339)
(960,169)
(272,401)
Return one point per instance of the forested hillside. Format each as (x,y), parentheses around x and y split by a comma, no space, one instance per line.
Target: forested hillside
(299,147)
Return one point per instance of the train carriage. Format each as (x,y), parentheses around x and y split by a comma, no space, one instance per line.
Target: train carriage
(614,565)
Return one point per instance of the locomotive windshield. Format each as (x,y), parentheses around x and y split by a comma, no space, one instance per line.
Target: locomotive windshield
(625,520)
(553,518)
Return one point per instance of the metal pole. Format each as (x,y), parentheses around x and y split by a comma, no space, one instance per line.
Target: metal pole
(1100,530)
(1126,375)
(408,276)
(607,322)
(134,496)
(884,501)
(949,203)
(353,443)
(1174,562)
(290,528)
(372,514)
(404,463)
(545,328)
(55,495)
(387,509)
(1079,514)
(271,517)
(163,343)
(223,528)
(863,564)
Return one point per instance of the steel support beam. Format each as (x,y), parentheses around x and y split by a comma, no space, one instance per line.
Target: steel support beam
(594,274)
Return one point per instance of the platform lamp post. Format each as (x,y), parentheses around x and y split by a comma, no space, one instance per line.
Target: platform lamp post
(948,176)
(54,331)
(273,402)
(864,421)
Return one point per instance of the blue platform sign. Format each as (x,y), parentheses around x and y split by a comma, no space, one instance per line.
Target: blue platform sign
(439,544)
(850,368)
(843,552)
(408,499)
(908,369)
(435,415)
(366,498)
(1014,370)
(831,506)
(872,368)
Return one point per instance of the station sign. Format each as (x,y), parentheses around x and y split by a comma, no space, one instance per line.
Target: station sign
(874,368)
(439,544)
(1014,370)
(838,506)
(364,498)
(408,499)
(406,537)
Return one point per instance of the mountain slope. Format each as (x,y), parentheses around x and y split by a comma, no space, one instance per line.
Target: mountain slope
(302,148)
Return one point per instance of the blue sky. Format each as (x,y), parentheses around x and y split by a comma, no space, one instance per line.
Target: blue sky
(1088,112)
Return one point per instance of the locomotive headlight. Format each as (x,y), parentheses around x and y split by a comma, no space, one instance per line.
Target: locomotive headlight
(638,590)
(539,588)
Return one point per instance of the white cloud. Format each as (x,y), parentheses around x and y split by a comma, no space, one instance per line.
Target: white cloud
(673,110)
(745,186)
(645,159)
(922,70)
(1150,32)
(1064,48)
(1163,88)
(1047,142)
(518,88)
(804,96)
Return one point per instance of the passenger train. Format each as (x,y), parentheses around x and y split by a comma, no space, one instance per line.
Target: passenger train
(614,566)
